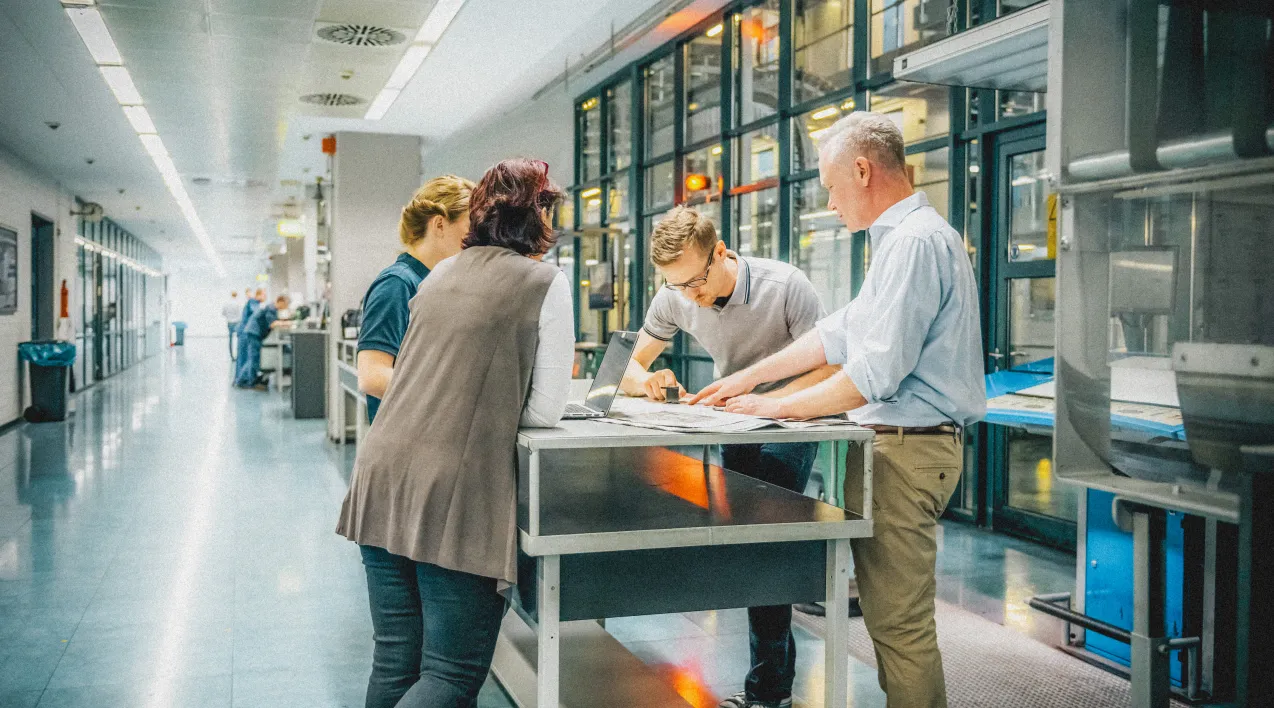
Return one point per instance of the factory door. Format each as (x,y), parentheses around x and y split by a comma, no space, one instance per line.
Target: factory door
(1023,496)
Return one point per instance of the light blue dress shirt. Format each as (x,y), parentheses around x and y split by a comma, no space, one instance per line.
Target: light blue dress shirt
(911,341)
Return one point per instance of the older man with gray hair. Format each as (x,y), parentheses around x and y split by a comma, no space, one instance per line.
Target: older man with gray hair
(904,358)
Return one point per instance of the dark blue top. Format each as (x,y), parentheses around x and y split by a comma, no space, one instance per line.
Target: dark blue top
(386,309)
(249,308)
(259,325)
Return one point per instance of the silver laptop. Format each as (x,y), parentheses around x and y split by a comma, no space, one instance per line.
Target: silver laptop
(619,351)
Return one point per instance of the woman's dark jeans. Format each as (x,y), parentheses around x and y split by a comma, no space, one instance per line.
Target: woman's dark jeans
(773,647)
(435,632)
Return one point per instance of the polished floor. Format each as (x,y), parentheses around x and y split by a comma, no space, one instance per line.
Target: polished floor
(172,545)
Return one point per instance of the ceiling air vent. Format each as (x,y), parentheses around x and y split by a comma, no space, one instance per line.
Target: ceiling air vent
(332,99)
(354,35)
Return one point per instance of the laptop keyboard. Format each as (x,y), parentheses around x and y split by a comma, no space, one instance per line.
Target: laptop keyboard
(581,411)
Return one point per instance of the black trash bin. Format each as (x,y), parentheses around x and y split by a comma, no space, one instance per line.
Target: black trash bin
(49,363)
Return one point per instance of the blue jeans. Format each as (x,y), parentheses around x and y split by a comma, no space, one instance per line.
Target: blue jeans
(239,358)
(772,645)
(435,632)
(249,360)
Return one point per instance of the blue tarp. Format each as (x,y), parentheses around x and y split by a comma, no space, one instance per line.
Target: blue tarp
(47,353)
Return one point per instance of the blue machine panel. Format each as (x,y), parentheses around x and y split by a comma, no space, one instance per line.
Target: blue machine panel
(1108,581)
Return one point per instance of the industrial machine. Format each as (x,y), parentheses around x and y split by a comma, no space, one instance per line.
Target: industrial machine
(1161,149)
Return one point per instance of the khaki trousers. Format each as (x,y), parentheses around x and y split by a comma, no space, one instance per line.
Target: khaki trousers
(912,480)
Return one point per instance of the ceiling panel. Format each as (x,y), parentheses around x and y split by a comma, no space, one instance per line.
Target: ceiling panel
(191,44)
(259,48)
(386,13)
(268,8)
(170,5)
(133,19)
(275,29)
(222,80)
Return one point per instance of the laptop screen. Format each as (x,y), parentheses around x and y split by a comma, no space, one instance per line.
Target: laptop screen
(614,363)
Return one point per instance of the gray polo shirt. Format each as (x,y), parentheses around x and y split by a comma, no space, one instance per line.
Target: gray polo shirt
(772,305)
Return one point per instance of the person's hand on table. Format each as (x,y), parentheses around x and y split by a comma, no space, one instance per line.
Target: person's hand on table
(715,393)
(755,405)
(655,383)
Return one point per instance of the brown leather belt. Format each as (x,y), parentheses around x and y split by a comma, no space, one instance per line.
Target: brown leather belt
(931,430)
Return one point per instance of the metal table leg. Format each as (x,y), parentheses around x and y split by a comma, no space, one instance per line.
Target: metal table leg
(1255,651)
(1149,659)
(548,632)
(360,420)
(836,650)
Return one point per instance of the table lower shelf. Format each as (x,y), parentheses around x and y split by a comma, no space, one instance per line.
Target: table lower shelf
(588,652)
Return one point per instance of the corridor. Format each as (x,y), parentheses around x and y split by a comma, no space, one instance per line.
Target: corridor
(172,545)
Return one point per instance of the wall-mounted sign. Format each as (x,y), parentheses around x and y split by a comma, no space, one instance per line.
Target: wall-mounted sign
(8,271)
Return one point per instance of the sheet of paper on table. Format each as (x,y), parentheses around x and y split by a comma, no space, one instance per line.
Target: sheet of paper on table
(643,413)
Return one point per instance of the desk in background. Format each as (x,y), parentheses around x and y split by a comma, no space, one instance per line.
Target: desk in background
(350,405)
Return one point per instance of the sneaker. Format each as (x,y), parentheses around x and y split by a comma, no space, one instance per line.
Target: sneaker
(816,610)
(740,700)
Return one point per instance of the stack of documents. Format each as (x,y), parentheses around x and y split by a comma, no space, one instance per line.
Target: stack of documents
(644,413)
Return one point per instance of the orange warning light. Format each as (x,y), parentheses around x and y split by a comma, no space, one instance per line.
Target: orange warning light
(696,182)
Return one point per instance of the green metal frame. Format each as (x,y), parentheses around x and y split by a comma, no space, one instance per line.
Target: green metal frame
(112,351)
(958,141)
(1051,530)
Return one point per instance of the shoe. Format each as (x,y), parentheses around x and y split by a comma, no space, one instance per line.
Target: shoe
(260,387)
(816,610)
(740,700)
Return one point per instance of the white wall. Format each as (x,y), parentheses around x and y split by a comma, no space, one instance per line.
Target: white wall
(24,190)
(541,130)
(374,175)
(197,297)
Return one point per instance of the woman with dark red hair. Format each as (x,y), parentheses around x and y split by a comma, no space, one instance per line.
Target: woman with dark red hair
(433,498)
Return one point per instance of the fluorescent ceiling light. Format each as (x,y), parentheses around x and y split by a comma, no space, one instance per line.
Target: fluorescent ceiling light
(140,118)
(715,30)
(440,17)
(92,29)
(826,113)
(382,102)
(407,66)
(154,147)
(121,83)
(88,22)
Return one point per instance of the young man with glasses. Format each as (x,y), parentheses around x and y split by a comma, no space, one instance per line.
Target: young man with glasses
(741,310)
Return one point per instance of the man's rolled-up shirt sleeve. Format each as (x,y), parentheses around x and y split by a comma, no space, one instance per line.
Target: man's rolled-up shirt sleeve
(831,330)
(884,352)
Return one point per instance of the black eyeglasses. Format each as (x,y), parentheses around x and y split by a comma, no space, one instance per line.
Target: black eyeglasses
(698,281)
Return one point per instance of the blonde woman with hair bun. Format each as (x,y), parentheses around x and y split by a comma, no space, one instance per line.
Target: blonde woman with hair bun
(432,227)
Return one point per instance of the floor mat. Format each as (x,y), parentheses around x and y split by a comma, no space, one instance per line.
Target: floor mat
(988,665)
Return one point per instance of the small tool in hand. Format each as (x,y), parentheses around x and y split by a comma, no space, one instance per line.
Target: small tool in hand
(672,394)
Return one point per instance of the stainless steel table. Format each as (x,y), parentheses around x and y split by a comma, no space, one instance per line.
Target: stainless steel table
(614,524)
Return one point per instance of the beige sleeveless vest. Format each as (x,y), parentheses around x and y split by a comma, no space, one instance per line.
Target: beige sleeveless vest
(435,479)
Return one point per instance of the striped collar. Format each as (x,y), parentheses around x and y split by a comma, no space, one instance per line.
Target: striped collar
(742,294)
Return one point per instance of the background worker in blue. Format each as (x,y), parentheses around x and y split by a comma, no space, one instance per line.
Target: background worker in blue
(432,227)
(258,328)
(250,307)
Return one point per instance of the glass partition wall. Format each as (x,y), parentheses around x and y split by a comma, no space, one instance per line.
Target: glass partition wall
(118,304)
(726,118)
